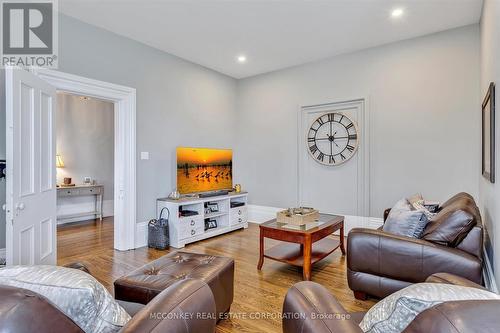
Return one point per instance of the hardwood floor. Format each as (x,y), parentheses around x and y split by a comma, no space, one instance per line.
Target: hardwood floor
(256,292)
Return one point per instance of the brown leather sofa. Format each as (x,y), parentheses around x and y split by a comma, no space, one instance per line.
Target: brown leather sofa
(380,263)
(310,308)
(174,310)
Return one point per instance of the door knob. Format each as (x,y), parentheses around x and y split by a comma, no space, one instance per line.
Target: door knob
(20,206)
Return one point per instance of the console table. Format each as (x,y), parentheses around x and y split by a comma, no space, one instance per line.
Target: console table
(230,214)
(82,190)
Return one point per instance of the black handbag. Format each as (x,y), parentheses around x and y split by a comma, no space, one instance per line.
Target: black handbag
(158,231)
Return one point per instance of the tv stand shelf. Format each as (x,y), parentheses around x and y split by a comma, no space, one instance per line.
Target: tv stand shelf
(188,229)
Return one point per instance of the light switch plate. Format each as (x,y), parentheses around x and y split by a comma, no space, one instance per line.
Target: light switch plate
(144,155)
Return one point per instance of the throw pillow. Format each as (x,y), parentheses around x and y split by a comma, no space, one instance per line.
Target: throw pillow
(404,221)
(77,294)
(415,198)
(395,312)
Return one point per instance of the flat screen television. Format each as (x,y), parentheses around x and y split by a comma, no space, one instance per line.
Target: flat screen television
(204,170)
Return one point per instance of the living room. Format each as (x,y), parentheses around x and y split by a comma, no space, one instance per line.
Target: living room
(229,117)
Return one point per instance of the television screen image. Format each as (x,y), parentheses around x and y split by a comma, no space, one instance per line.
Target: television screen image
(204,169)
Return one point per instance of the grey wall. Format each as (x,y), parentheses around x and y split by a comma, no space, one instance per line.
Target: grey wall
(490,71)
(423,97)
(178,102)
(85,140)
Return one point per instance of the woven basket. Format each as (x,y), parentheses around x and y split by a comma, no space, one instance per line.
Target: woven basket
(158,232)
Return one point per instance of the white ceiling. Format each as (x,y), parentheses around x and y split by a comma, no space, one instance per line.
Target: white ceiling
(272,34)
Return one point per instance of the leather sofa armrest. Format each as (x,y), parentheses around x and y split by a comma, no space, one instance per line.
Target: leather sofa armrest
(186,306)
(310,308)
(458,317)
(406,259)
(453,279)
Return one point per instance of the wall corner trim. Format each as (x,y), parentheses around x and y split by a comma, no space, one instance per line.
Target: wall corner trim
(488,275)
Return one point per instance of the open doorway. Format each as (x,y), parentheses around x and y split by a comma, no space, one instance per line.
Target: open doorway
(31,205)
(85,167)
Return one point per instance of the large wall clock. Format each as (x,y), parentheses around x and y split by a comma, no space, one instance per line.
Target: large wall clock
(332,139)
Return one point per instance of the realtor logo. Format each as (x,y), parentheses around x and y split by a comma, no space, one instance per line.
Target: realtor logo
(29,33)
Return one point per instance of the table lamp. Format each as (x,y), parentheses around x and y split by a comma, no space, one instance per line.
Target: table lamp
(59,162)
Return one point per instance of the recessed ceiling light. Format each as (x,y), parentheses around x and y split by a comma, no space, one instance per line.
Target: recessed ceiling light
(397,12)
(241,59)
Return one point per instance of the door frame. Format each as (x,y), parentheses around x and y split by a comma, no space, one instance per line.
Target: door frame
(124,99)
(363,172)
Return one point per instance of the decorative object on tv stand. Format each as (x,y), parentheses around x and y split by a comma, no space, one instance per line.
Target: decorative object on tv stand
(332,139)
(202,170)
(237,188)
(488,134)
(87,180)
(67,182)
(175,195)
(158,231)
(298,216)
(210,224)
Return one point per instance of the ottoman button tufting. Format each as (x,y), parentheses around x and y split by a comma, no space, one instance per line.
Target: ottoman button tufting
(152,271)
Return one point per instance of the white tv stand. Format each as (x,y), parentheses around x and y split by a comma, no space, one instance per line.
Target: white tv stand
(188,229)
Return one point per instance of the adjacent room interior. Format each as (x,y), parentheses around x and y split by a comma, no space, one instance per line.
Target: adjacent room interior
(255,166)
(84,162)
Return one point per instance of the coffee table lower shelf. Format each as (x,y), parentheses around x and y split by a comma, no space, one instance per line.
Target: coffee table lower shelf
(290,253)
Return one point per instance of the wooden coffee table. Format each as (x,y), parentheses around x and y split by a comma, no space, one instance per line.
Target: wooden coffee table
(302,247)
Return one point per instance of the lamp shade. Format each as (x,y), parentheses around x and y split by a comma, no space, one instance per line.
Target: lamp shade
(59,162)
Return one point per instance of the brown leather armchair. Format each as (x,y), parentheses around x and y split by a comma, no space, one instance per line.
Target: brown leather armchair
(174,310)
(380,263)
(310,308)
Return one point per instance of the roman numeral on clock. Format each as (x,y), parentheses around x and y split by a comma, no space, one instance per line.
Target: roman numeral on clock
(313,149)
(331,117)
(342,156)
(320,121)
(311,139)
(349,126)
(353,136)
(321,156)
(331,159)
(350,148)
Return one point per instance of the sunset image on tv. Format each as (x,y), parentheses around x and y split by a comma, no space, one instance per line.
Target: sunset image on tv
(204,169)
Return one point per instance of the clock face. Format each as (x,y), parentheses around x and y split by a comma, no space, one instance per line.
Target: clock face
(332,139)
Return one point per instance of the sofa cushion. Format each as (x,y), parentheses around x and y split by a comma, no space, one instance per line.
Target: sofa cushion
(452,223)
(75,293)
(395,312)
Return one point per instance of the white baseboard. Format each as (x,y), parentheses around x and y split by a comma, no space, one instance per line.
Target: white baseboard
(141,234)
(261,214)
(488,276)
(79,205)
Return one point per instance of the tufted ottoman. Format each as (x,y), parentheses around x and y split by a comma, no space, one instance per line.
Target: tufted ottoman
(143,284)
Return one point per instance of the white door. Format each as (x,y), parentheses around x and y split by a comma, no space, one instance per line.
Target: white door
(339,183)
(31,181)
